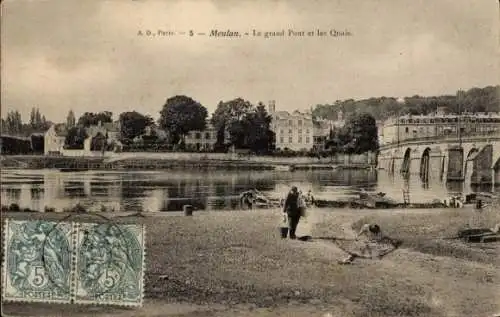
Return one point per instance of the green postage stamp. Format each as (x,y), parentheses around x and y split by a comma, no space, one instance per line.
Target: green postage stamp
(69,262)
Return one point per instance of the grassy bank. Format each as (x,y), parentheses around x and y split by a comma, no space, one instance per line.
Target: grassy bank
(232,258)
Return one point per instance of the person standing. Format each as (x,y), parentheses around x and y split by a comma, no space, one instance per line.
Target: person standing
(292,209)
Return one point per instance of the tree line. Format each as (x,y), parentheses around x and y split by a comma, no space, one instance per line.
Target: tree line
(247,125)
(240,124)
(485,99)
(13,123)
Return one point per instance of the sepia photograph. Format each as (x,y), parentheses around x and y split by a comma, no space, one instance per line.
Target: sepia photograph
(187,158)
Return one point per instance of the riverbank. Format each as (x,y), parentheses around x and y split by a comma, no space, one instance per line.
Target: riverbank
(158,161)
(235,264)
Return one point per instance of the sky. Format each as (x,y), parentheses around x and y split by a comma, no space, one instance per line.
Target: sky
(87,55)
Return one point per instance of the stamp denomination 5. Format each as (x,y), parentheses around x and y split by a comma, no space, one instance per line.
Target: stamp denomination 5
(63,262)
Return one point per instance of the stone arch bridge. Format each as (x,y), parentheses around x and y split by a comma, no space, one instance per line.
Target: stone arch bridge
(474,159)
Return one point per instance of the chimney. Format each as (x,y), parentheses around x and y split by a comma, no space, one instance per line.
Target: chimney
(272,106)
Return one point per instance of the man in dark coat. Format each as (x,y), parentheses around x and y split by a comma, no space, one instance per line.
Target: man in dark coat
(292,209)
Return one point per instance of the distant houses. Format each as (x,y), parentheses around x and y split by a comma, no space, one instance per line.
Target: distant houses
(107,134)
(54,139)
(296,131)
(201,140)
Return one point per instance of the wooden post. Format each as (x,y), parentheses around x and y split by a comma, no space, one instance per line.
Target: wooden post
(188,210)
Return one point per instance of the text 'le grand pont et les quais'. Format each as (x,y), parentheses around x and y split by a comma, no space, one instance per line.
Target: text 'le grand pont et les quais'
(228,33)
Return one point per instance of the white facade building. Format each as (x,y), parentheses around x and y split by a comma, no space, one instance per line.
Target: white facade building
(438,125)
(293,131)
(54,139)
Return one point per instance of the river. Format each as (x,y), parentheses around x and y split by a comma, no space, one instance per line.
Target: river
(206,190)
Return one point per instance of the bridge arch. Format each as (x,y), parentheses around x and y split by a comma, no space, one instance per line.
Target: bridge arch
(405,167)
(425,165)
(467,170)
(496,171)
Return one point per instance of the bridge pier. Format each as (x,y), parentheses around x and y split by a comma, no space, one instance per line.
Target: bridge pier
(414,168)
(455,164)
(481,165)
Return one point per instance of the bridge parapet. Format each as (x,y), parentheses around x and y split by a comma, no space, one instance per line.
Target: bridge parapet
(445,139)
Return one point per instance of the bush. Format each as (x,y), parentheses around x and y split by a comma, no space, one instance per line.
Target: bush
(14,207)
(49,209)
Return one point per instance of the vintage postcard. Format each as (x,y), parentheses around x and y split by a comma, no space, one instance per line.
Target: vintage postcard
(329,158)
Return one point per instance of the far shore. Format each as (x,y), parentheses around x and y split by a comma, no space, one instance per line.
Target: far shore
(234,264)
(154,160)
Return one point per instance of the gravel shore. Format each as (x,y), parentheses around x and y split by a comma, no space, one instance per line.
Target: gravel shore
(235,264)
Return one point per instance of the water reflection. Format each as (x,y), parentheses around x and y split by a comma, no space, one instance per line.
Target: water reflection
(170,190)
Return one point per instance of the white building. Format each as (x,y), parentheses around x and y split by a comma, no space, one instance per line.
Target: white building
(438,124)
(293,131)
(54,139)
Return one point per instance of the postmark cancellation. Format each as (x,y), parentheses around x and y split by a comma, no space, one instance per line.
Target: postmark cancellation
(70,262)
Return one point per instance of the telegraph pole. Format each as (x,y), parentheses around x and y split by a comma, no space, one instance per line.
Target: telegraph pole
(400,102)
(397,124)
(459,125)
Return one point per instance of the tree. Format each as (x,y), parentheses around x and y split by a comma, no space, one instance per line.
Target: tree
(14,123)
(362,132)
(228,116)
(99,142)
(260,138)
(181,114)
(90,118)
(75,138)
(70,119)
(133,124)
(32,118)
(473,100)
(248,126)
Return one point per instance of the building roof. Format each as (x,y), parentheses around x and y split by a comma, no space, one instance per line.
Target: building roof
(60,129)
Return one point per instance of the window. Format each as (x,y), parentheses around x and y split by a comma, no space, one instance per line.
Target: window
(198,135)
(207,135)
(290,122)
(406,130)
(300,131)
(281,131)
(307,131)
(282,140)
(290,139)
(300,139)
(307,139)
(290,131)
(300,122)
